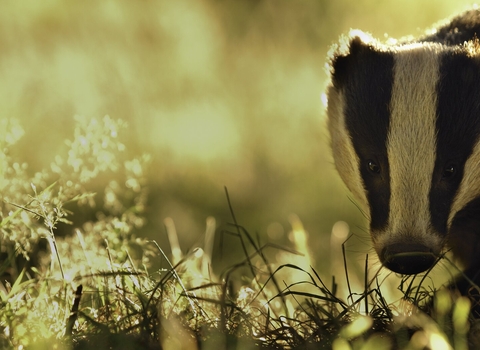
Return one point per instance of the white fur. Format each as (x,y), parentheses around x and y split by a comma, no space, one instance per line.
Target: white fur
(346,159)
(470,185)
(411,146)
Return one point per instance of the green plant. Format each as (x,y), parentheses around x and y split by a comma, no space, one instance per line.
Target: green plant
(95,285)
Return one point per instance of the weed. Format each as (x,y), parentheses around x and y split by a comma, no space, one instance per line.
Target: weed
(97,287)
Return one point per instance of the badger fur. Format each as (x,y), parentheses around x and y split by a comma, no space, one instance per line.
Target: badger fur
(404,121)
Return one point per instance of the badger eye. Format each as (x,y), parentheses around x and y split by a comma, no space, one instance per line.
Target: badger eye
(449,171)
(373,167)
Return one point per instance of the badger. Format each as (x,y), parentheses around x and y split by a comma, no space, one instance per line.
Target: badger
(404,123)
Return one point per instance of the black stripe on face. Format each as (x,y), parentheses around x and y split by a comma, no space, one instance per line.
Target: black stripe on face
(458,126)
(463,237)
(365,77)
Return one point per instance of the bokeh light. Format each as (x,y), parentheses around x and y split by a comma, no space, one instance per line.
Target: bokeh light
(219,93)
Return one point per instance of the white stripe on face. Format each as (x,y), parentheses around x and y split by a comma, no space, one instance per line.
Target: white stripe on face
(470,185)
(411,147)
(346,159)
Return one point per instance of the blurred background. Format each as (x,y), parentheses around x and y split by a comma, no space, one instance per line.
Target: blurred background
(221,93)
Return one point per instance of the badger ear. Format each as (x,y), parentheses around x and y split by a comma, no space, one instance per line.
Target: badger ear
(345,55)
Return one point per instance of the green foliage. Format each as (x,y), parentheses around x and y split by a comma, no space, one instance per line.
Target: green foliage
(38,279)
(95,284)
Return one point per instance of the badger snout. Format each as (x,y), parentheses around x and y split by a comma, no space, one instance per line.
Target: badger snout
(407,258)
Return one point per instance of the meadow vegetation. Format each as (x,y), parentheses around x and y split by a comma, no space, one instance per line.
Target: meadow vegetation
(101,286)
(203,96)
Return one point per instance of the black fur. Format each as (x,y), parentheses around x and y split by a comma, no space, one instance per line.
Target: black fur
(366,77)
(458,30)
(458,129)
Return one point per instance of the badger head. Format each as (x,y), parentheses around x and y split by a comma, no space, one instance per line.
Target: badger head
(404,122)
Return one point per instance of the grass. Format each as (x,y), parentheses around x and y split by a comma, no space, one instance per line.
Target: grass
(97,284)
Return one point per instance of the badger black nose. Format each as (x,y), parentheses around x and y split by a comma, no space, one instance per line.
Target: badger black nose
(407,259)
